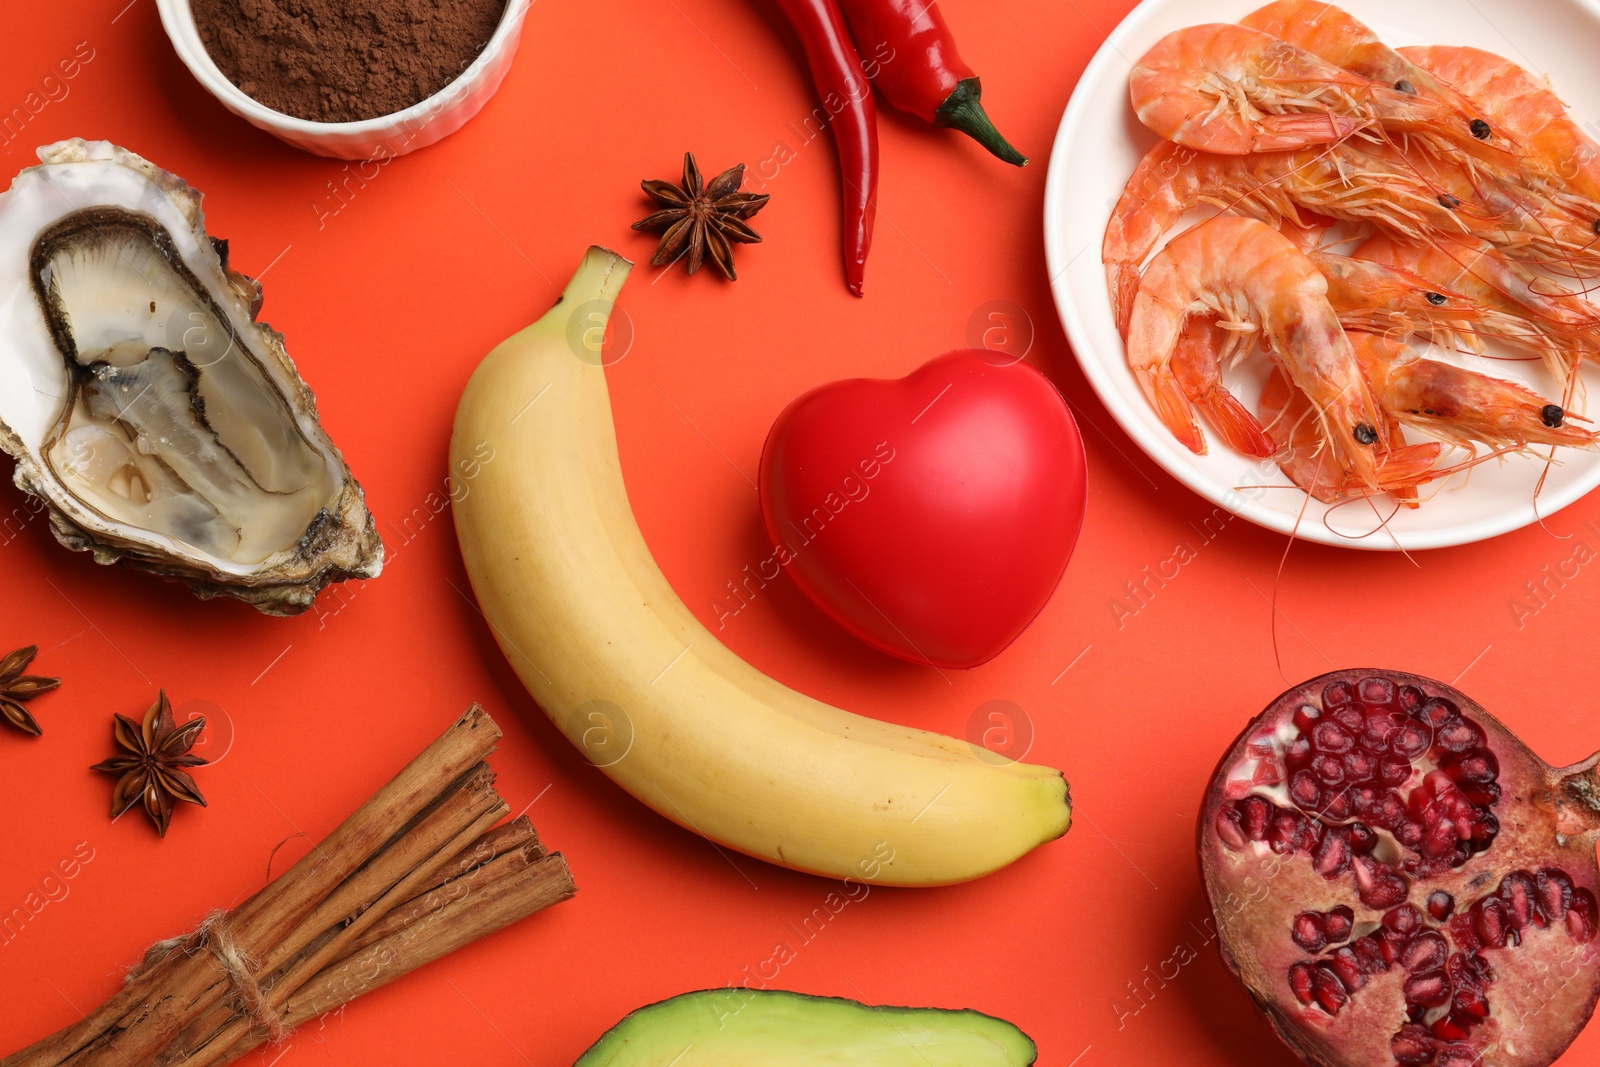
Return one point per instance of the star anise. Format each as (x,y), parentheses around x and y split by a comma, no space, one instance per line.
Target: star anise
(701,220)
(15,687)
(152,769)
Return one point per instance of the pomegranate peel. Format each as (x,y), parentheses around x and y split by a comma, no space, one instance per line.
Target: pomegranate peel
(1397,879)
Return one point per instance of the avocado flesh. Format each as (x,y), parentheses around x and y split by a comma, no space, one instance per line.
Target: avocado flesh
(739,1028)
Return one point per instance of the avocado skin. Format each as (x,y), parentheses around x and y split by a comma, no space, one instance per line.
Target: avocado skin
(735,1025)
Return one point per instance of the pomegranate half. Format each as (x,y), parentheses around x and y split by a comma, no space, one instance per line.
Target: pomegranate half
(1397,879)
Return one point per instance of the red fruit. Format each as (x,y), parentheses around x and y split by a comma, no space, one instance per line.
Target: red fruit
(1470,878)
(931,516)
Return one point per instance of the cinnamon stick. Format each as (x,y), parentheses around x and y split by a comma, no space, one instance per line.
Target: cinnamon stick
(418,870)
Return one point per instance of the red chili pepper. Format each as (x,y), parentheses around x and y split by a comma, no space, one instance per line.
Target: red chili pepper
(847,95)
(919,71)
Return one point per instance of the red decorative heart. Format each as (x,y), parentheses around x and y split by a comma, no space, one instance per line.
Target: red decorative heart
(931,516)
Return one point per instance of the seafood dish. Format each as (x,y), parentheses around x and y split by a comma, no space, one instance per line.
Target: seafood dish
(1377,208)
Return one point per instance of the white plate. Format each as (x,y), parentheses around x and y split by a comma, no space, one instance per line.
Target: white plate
(1101,141)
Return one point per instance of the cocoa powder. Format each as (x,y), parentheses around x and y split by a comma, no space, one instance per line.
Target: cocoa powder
(344,60)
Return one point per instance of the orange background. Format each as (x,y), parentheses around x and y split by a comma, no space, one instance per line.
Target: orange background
(389,305)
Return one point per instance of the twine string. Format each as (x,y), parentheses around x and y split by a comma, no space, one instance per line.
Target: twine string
(213,934)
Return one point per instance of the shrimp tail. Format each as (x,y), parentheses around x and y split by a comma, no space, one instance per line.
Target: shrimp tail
(1407,467)
(1234,423)
(1173,407)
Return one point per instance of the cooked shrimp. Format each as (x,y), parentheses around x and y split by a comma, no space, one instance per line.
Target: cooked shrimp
(1556,151)
(1383,298)
(1203,347)
(1462,406)
(1304,455)
(1279,187)
(1247,274)
(1333,34)
(1521,308)
(1233,90)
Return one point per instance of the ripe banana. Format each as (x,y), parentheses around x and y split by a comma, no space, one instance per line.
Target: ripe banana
(633,679)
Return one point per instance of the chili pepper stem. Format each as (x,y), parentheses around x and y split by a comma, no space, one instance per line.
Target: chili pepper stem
(963,111)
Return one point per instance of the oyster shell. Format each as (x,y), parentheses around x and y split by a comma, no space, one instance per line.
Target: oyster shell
(162,425)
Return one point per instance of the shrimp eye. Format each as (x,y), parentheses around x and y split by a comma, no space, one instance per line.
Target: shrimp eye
(1365,434)
(1435,299)
(1448,201)
(1480,129)
(1405,87)
(1597,225)
(1552,415)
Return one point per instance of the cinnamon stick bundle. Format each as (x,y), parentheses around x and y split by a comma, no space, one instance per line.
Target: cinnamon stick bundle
(419,870)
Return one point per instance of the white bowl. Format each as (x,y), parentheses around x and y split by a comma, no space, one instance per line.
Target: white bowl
(384,137)
(1097,147)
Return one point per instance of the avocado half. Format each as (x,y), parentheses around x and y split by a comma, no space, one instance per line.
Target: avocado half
(740,1027)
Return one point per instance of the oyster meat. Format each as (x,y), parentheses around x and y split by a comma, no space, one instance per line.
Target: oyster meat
(162,425)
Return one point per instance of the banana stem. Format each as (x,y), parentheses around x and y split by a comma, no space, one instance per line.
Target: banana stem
(592,293)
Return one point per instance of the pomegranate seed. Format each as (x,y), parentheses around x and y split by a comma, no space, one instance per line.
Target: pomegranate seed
(1581,917)
(1338,694)
(1483,794)
(1336,808)
(1298,754)
(1438,840)
(1440,905)
(1390,811)
(1469,1004)
(1520,894)
(1229,832)
(1427,952)
(1307,931)
(1555,893)
(1329,769)
(1307,836)
(1409,834)
(1362,839)
(1328,990)
(1405,920)
(1458,735)
(1352,718)
(1431,989)
(1412,1045)
(1475,765)
(1459,1056)
(1394,772)
(1365,800)
(1470,971)
(1378,731)
(1255,814)
(1305,790)
(1300,982)
(1332,738)
(1369,954)
(1267,774)
(1491,921)
(1377,885)
(1337,924)
(1411,740)
(1305,717)
(1484,831)
(1464,932)
(1436,712)
(1332,857)
(1389,944)
(1285,828)
(1376,690)
(1447,1028)
(1359,766)
(1410,698)
(1348,967)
